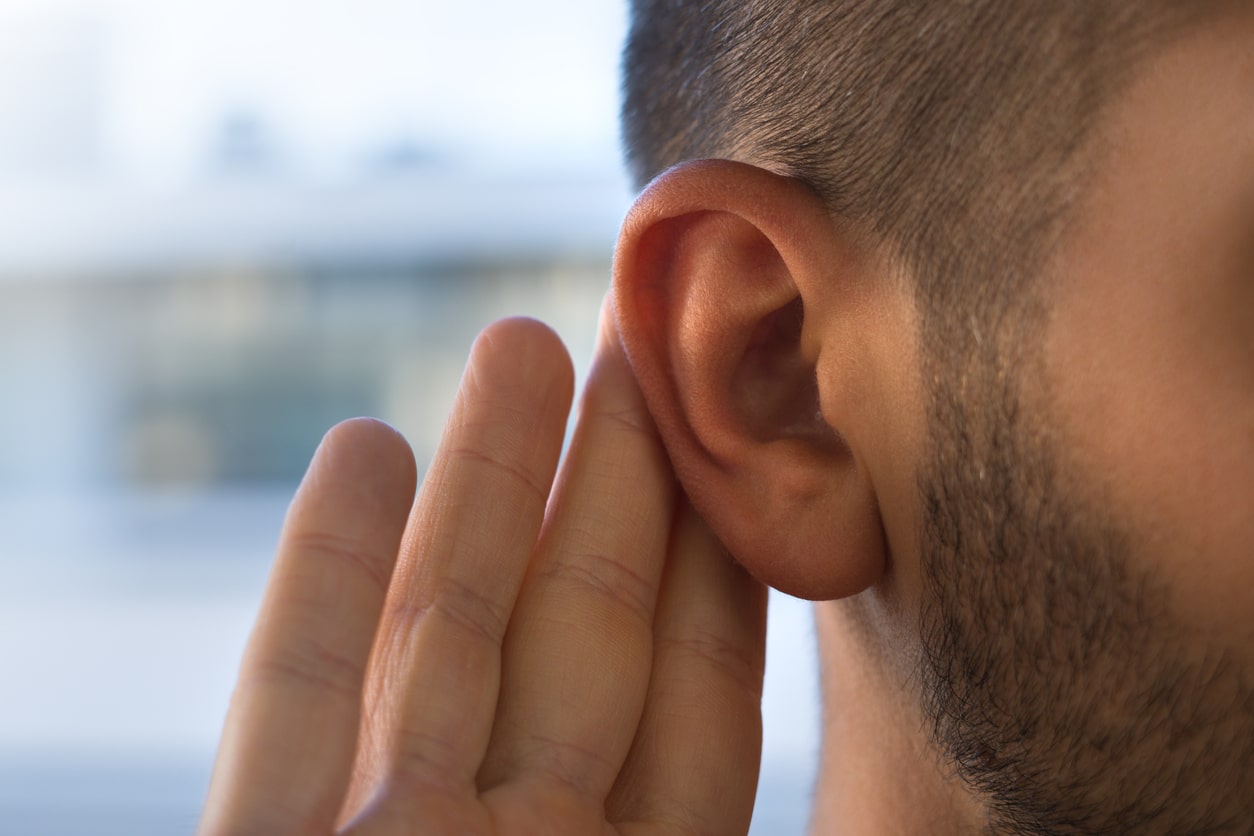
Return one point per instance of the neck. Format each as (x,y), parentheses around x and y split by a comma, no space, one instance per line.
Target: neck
(878,773)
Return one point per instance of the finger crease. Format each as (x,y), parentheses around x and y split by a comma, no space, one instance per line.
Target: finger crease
(339,549)
(460,605)
(313,666)
(628,419)
(610,578)
(580,768)
(742,667)
(424,758)
(517,474)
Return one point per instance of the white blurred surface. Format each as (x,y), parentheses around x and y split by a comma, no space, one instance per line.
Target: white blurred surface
(153,87)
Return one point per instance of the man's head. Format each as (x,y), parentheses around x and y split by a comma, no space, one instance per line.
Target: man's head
(989,366)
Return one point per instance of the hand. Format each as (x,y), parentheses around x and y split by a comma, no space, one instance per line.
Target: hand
(521,656)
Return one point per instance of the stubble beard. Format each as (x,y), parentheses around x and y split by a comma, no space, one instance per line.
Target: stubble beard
(1055,678)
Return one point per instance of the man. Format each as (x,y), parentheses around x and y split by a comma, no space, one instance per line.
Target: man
(947,328)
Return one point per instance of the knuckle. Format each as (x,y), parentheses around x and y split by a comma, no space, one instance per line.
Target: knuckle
(458,604)
(467,608)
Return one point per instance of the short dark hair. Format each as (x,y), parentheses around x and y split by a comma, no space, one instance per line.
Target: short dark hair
(955,131)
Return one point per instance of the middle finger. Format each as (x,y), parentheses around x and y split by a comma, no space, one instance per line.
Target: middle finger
(576,663)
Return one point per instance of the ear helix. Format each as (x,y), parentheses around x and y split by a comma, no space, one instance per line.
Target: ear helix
(724,307)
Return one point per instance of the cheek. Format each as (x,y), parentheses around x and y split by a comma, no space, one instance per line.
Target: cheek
(1154,410)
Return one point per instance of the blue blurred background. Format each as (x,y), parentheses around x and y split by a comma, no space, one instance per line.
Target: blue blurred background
(224,226)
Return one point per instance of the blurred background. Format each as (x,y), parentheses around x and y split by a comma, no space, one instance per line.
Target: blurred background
(224,226)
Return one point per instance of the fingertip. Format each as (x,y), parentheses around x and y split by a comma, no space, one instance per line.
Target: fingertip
(523,350)
(364,432)
(367,450)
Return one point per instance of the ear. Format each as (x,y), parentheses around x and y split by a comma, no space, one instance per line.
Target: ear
(730,284)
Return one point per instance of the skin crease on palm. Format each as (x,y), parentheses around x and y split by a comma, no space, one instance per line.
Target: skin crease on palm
(609,678)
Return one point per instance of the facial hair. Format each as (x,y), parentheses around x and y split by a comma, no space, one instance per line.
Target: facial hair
(1055,676)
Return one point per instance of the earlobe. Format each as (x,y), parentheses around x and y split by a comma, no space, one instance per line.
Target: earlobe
(721,294)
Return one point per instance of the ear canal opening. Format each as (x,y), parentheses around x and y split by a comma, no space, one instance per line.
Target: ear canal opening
(776,385)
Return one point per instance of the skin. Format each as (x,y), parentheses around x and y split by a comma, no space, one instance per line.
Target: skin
(514,652)
(1156,289)
(1139,396)
(526,670)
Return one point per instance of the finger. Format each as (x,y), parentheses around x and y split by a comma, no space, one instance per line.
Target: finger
(694,765)
(578,655)
(437,669)
(287,749)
